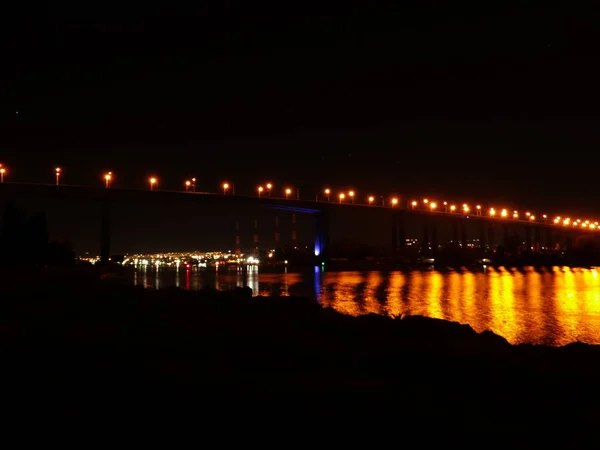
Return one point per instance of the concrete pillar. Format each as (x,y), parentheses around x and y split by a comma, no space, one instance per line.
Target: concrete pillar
(434,237)
(528,242)
(455,233)
(237,238)
(322,235)
(105,232)
(425,245)
(537,244)
(394,233)
(482,243)
(277,235)
(491,237)
(463,234)
(401,231)
(550,244)
(294,234)
(256,249)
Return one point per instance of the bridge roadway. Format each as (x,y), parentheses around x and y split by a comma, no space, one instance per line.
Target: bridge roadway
(319,209)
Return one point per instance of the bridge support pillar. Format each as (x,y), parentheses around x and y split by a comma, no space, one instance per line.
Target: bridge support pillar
(401,223)
(105,232)
(482,242)
(491,241)
(321,236)
(463,234)
(550,244)
(537,245)
(528,238)
(425,245)
(434,238)
(394,233)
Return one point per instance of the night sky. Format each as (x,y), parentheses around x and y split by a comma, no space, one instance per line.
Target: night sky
(485,104)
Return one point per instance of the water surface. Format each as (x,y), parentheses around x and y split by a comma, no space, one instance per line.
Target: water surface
(553,307)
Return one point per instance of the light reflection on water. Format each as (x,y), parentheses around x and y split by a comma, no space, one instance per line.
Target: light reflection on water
(554,307)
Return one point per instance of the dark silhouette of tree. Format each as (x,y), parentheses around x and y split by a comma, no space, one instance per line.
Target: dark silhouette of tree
(25,241)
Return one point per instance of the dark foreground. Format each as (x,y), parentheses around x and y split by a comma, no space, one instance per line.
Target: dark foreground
(107,351)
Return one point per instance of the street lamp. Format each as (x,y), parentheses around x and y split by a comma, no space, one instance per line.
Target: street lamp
(466,208)
(188,183)
(394,202)
(433,205)
(2,172)
(445,207)
(342,197)
(57,170)
(193,185)
(414,204)
(260,189)
(478,210)
(504,213)
(371,200)
(492,212)
(107,178)
(351,195)
(269,187)
(288,192)
(225,188)
(153,182)
(452,208)
(328,193)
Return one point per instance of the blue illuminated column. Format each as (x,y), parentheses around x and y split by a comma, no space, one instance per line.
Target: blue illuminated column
(321,235)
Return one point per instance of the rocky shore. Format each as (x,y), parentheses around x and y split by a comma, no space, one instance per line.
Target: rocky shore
(89,348)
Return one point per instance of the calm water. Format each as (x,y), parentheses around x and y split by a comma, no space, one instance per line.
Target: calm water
(554,307)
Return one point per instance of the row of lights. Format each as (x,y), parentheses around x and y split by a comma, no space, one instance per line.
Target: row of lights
(394,201)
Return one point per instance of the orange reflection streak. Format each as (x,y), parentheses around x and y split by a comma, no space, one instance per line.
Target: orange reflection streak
(416,293)
(341,296)
(394,305)
(537,311)
(451,300)
(501,317)
(467,309)
(566,305)
(372,304)
(433,289)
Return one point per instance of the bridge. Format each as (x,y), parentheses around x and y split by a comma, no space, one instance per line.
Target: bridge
(539,232)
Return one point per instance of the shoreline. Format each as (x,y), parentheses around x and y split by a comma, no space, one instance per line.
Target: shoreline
(111,342)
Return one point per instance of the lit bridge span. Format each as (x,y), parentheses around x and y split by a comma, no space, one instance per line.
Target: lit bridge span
(540,232)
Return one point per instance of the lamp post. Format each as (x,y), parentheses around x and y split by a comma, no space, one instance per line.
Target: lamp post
(2,172)
(153,182)
(57,171)
(107,179)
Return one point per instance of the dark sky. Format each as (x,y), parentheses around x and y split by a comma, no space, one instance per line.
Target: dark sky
(485,103)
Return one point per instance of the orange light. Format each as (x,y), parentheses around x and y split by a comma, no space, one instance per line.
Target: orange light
(328,191)
(433,205)
(531,217)
(452,207)
(351,193)
(425,201)
(394,201)
(342,196)
(288,191)
(504,213)
(269,186)
(371,199)
(414,203)
(478,206)
(152,180)
(57,170)
(492,212)
(260,189)
(3,171)
(188,183)
(107,177)
(445,203)
(225,186)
